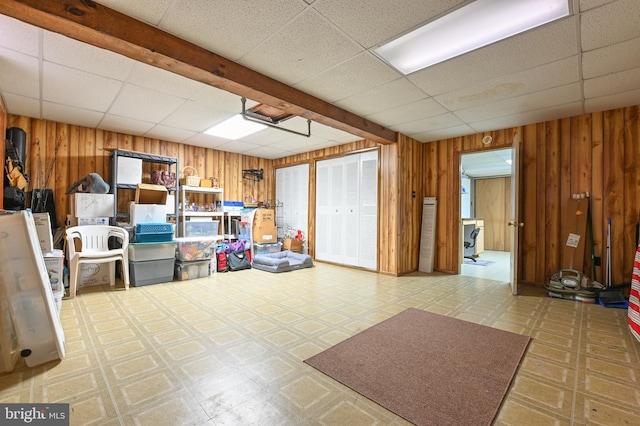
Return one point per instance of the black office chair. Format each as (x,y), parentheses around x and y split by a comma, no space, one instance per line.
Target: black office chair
(471,244)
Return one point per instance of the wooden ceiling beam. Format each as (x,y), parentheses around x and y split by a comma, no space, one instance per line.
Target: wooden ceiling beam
(97,25)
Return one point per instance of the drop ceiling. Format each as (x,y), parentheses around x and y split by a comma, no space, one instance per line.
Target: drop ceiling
(587,62)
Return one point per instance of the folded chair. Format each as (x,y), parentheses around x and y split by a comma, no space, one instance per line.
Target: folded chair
(90,244)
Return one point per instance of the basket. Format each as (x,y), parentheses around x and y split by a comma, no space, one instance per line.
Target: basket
(191,179)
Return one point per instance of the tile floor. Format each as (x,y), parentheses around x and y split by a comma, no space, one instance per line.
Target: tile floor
(228,350)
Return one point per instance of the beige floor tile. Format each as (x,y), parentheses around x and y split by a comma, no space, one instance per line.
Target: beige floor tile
(229,350)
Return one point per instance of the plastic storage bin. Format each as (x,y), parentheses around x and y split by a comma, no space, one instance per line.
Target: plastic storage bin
(191,248)
(266,248)
(192,270)
(139,252)
(151,272)
(154,232)
(201,228)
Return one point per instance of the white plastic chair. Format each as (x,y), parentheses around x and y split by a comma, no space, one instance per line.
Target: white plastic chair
(94,248)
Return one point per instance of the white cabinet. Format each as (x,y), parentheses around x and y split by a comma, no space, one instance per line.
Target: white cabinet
(346,210)
(198,214)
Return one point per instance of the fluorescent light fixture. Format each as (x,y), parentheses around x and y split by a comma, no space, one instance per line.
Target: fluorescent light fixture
(235,128)
(470,27)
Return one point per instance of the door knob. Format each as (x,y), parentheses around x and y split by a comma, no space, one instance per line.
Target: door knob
(514,223)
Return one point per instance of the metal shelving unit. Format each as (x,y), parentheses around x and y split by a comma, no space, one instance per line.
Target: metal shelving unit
(171,163)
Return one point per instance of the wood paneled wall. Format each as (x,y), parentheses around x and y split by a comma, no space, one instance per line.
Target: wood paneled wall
(597,153)
(82,150)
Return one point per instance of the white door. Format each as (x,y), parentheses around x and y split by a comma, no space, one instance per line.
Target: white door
(514,222)
(346,210)
(292,191)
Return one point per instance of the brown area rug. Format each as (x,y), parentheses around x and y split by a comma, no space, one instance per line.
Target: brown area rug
(428,368)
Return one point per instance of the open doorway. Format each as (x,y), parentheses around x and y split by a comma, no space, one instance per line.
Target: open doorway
(485,204)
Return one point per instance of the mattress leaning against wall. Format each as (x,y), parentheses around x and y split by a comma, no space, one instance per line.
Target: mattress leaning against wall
(25,285)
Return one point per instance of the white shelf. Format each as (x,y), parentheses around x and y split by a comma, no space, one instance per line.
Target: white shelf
(218,196)
(201,214)
(201,189)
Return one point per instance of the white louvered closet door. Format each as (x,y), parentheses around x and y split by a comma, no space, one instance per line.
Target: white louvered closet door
(292,190)
(346,210)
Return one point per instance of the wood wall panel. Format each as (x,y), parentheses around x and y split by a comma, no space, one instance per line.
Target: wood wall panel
(83,150)
(597,153)
(493,204)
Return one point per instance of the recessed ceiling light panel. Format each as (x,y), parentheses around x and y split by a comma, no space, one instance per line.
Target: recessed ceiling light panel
(470,27)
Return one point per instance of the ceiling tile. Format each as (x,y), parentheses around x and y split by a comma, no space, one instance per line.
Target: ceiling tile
(268,152)
(206,141)
(168,133)
(19,73)
(520,104)
(529,117)
(144,104)
(612,84)
(348,78)
(195,117)
(546,76)
(75,54)
(150,11)
(164,81)
(428,124)
(237,146)
(446,133)
(590,4)
(301,49)
(125,125)
(612,23)
(68,86)
(408,113)
(22,105)
(71,115)
(387,96)
(610,59)
(18,36)
(608,102)
(372,22)
(540,46)
(224,26)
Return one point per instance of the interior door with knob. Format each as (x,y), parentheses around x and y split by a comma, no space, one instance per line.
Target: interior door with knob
(514,224)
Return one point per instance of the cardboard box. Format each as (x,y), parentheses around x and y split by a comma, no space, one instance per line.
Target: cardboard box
(92,221)
(43,228)
(93,274)
(265,234)
(91,205)
(264,218)
(292,245)
(129,171)
(54,261)
(147,193)
(147,213)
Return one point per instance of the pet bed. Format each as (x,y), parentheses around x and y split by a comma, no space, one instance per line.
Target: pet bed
(282,261)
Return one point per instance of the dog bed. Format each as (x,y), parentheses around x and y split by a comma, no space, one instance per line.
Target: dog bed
(282,261)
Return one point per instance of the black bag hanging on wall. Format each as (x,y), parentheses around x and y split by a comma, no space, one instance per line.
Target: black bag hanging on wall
(238,260)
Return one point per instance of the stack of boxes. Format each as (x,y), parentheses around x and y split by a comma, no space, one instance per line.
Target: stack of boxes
(264,232)
(91,209)
(193,257)
(152,255)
